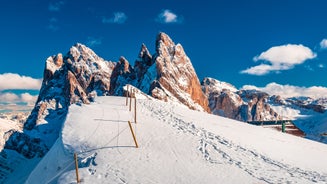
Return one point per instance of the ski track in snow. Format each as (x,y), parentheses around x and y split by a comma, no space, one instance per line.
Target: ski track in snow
(218,150)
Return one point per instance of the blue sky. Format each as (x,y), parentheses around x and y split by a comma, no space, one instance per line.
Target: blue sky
(252,42)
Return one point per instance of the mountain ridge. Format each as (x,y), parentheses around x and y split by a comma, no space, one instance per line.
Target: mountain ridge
(80,75)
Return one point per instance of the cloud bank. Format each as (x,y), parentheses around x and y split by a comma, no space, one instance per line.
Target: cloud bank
(11,98)
(290,91)
(279,58)
(167,16)
(10,81)
(118,18)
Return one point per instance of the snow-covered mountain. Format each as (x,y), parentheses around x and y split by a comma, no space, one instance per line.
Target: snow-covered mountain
(308,114)
(225,100)
(79,76)
(176,145)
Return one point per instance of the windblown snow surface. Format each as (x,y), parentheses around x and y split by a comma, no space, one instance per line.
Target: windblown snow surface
(176,145)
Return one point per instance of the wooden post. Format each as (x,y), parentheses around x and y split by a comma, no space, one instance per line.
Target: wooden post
(130,101)
(127,96)
(130,127)
(76,167)
(134,108)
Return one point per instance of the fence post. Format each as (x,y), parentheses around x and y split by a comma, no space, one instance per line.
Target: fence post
(283,126)
(76,167)
(130,127)
(134,108)
(130,101)
(127,96)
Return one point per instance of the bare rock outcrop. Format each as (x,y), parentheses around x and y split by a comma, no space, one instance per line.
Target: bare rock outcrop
(176,74)
(244,105)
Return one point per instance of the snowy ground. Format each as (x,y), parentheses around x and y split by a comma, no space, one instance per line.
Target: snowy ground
(177,145)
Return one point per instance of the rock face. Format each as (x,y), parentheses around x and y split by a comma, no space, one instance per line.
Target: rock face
(167,75)
(176,75)
(244,105)
(256,106)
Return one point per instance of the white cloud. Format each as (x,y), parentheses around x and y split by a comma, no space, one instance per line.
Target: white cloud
(261,69)
(291,91)
(28,98)
(167,16)
(289,54)
(9,97)
(118,18)
(12,98)
(10,81)
(323,44)
(91,41)
(280,58)
(55,7)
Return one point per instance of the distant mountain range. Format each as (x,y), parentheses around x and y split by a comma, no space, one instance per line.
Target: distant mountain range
(80,75)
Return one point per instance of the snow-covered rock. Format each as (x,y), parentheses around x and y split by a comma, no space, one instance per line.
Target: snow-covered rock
(245,105)
(177,75)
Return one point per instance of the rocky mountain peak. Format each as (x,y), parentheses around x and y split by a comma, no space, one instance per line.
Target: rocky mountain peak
(80,75)
(211,84)
(163,38)
(144,56)
(143,62)
(244,105)
(81,49)
(124,64)
(177,75)
(164,45)
(58,60)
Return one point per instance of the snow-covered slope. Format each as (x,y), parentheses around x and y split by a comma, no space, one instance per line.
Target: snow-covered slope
(176,145)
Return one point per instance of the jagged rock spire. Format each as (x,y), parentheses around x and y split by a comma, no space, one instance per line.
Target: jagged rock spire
(176,73)
(144,55)
(143,62)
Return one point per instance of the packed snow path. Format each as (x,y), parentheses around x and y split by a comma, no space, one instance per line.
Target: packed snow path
(177,145)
